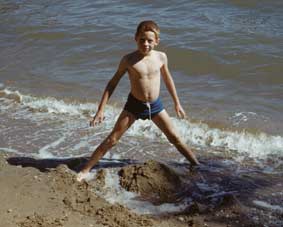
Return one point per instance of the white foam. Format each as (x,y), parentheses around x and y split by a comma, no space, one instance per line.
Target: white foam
(44,153)
(253,145)
(268,206)
(258,146)
(50,104)
(86,176)
(9,150)
(145,129)
(81,144)
(11,94)
(114,193)
(240,117)
(199,134)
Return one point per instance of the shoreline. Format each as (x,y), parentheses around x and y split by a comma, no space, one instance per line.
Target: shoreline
(47,194)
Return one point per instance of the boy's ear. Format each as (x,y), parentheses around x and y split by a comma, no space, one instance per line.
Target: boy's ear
(157,40)
(136,37)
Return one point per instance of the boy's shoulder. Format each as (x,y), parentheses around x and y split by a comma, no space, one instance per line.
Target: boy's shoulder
(160,54)
(129,58)
(130,55)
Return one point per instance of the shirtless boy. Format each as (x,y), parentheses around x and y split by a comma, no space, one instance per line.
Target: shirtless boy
(145,66)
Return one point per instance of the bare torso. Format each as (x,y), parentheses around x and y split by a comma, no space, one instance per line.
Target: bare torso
(144,75)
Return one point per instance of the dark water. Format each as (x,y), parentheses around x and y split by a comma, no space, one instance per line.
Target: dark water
(226,58)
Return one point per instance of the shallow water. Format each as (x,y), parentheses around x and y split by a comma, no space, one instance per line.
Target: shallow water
(226,58)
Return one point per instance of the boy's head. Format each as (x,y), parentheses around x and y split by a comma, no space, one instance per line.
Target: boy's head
(148,25)
(147,36)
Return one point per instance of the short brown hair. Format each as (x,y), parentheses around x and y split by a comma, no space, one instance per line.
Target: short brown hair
(148,25)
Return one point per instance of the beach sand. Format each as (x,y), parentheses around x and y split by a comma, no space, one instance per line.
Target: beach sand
(36,193)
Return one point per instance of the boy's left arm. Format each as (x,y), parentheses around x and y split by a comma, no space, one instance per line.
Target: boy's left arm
(168,80)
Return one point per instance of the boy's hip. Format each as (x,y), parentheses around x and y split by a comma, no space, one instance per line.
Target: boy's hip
(143,110)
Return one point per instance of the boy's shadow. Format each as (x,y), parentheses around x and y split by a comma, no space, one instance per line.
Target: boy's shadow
(75,164)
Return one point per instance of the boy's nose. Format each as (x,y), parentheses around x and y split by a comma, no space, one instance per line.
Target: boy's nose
(145,42)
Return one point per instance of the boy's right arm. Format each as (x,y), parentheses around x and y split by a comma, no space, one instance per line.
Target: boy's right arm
(99,116)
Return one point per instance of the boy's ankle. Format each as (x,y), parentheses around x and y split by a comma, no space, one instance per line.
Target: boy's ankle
(83,171)
(83,176)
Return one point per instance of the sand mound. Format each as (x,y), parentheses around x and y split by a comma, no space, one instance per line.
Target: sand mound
(152,180)
(80,197)
(37,220)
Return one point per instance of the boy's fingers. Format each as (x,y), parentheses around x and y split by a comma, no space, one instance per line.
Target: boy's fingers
(101,119)
(181,114)
(96,121)
(92,122)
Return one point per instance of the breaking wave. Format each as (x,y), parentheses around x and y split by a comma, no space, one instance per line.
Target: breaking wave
(260,145)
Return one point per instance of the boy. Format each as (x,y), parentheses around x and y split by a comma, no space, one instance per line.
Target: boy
(145,67)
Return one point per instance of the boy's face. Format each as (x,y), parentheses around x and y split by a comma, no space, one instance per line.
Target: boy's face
(146,41)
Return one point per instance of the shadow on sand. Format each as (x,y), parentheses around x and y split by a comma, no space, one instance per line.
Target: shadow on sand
(75,164)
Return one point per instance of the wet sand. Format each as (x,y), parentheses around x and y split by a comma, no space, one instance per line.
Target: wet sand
(42,193)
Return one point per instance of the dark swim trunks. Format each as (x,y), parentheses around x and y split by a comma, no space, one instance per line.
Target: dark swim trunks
(143,110)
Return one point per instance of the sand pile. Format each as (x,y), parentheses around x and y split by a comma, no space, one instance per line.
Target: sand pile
(80,197)
(152,180)
(37,220)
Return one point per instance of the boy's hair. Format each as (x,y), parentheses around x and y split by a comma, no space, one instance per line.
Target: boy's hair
(148,25)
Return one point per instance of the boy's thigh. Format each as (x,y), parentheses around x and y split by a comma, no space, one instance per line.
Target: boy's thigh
(164,123)
(125,120)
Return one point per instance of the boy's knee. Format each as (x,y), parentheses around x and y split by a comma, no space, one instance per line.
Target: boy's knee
(111,141)
(175,139)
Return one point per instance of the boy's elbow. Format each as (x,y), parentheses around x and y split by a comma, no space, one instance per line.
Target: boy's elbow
(111,86)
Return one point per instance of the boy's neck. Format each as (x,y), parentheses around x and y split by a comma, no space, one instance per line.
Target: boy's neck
(144,54)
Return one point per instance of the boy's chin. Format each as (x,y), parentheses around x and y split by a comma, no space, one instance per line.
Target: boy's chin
(145,52)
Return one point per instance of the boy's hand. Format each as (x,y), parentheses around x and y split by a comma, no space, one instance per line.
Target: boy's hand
(180,111)
(97,119)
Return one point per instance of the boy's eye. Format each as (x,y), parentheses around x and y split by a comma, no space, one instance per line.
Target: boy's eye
(143,40)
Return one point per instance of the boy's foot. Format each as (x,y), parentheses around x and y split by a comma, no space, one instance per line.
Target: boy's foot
(194,167)
(83,176)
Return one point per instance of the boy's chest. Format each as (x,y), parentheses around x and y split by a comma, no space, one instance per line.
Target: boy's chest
(145,68)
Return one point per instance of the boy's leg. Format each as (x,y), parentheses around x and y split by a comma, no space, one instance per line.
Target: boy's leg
(163,121)
(124,121)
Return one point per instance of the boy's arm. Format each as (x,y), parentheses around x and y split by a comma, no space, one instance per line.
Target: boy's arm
(171,86)
(110,87)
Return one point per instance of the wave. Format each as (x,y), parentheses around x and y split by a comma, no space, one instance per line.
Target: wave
(48,104)
(243,143)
